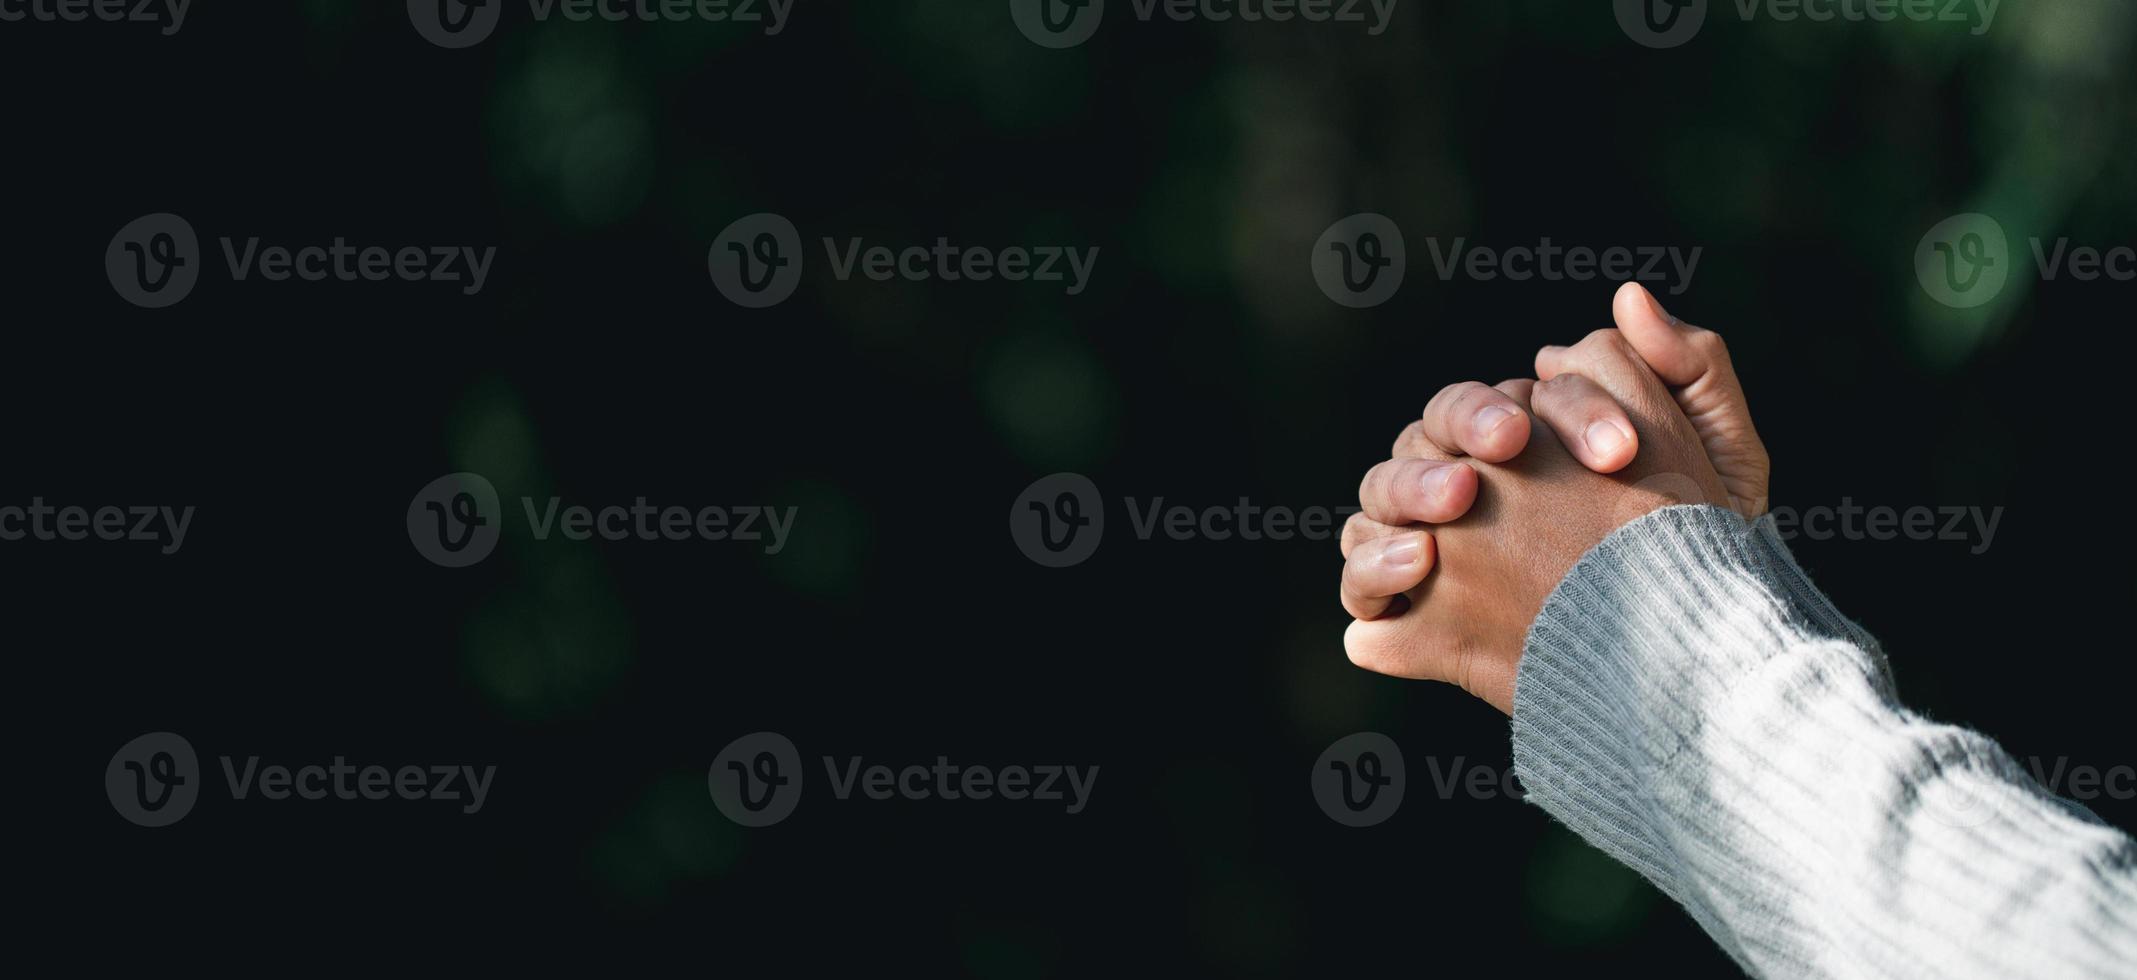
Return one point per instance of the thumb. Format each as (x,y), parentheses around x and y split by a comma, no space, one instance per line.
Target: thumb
(1695,364)
(1669,346)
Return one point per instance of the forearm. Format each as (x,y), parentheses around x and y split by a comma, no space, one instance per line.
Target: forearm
(1688,703)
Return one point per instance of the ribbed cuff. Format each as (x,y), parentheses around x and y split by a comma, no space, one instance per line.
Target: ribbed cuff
(1638,649)
(1688,703)
(1655,623)
(1807,600)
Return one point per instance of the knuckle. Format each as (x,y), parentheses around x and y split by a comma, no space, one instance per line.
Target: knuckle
(1452,400)
(1709,344)
(1374,478)
(1558,389)
(1603,354)
(1386,490)
(1346,598)
(1406,441)
(1441,397)
(1360,582)
(1353,534)
(1470,391)
(1404,487)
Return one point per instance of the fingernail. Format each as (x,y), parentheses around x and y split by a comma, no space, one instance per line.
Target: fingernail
(1490,416)
(1604,437)
(1437,479)
(1402,551)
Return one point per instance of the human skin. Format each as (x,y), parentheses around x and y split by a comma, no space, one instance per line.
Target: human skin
(1635,418)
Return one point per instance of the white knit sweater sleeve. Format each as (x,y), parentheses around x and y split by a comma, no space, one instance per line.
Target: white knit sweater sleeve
(1688,703)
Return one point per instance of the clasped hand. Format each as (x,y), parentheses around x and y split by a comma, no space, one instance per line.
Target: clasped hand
(1488,500)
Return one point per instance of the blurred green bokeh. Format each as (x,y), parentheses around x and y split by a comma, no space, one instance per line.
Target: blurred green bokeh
(1261,145)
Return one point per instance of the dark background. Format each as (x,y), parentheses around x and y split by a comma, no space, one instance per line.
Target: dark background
(903,419)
